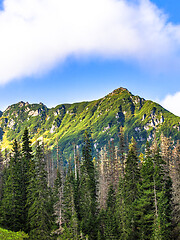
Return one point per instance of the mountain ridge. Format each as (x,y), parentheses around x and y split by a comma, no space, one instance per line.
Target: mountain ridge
(66,123)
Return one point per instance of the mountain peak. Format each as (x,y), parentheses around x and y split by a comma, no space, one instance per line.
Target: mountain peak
(66,122)
(120,91)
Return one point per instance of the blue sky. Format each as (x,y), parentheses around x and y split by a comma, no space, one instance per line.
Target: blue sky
(85,49)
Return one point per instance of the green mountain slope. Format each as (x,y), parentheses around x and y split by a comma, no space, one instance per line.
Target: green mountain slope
(66,123)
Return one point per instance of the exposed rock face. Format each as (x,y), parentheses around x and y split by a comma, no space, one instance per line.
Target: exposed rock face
(11,124)
(52,130)
(34,113)
(144,117)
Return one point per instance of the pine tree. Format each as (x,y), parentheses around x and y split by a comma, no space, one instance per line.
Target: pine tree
(132,180)
(69,209)
(110,231)
(121,211)
(88,196)
(40,215)
(58,201)
(12,205)
(162,198)
(145,203)
(26,162)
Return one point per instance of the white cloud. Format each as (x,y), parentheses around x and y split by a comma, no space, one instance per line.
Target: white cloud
(37,34)
(172,103)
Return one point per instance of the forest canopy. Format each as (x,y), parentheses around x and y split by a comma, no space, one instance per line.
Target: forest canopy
(119,193)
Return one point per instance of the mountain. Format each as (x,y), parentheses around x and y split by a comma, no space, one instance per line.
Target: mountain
(103,117)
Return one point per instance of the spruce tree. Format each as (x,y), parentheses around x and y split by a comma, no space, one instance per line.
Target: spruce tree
(162,198)
(25,172)
(58,201)
(121,211)
(40,215)
(12,204)
(88,196)
(69,209)
(121,214)
(111,231)
(131,182)
(145,203)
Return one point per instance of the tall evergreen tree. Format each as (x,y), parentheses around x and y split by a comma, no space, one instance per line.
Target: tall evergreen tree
(121,214)
(111,231)
(12,205)
(58,201)
(122,211)
(88,195)
(39,200)
(1,173)
(145,203)
(162,198)
(131,182)
(69,209)
(26,162)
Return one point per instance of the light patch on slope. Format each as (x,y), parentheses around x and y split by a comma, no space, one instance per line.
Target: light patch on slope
(38,34)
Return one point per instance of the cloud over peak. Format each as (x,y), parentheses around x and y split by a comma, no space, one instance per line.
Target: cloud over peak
(171,102)
(37,34)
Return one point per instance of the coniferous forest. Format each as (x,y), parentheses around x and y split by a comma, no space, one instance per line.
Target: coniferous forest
(117,193)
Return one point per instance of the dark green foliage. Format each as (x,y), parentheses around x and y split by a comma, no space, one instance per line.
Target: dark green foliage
(88,197)
(131,183)
(26,162)
(111,228)
(69,210)
(121,211)
(132,174)
(12,206)
(39,200)
(145,205)
(138,207)
(163,188)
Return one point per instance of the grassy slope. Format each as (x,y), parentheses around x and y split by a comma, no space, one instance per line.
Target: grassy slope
(67,122)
